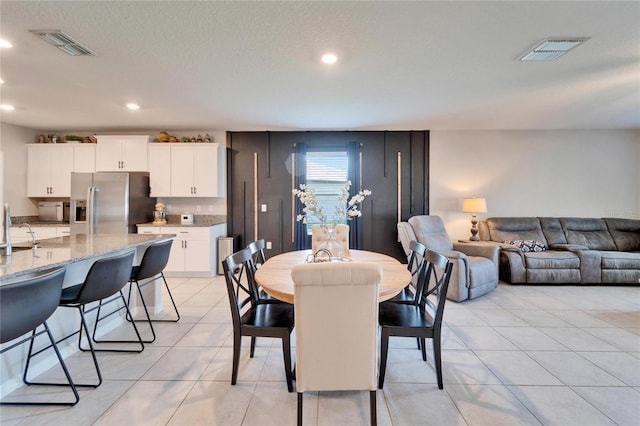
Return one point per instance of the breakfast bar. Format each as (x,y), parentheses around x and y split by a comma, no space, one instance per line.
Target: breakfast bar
(75,253)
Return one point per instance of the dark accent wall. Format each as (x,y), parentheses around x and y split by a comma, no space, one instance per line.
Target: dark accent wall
(274,184)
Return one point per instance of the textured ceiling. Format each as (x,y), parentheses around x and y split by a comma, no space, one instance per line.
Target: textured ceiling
(255,65)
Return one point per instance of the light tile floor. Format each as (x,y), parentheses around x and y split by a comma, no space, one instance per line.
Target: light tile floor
(556,355)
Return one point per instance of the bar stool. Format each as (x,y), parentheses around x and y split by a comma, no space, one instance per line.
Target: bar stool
(106,278)
(153,262)
(24,306)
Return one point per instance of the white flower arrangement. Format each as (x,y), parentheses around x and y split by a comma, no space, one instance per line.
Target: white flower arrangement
(344,210)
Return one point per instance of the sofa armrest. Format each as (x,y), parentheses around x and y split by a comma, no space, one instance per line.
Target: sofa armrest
(568,247)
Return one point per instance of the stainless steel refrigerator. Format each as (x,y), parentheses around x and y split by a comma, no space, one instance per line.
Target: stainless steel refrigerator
(109,202)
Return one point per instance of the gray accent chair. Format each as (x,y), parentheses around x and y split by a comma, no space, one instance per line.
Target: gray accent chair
(475,265)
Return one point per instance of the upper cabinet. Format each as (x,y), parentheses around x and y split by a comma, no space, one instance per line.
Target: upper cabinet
(187,170)
(49,170)
(160,169)
(84,158)
(118,153)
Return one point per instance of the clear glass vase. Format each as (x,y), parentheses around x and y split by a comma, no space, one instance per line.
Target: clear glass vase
(331,245)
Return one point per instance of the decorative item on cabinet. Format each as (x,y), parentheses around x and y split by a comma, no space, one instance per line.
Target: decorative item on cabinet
(73,138)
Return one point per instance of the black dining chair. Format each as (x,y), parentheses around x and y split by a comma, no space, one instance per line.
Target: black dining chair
(26,305)
(256,248)
(104,283)
(415,265)
(254,319)
(151,266)
(422,320)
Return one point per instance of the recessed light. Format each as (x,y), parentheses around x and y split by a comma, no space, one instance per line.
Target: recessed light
(7,107)
(1,81)
(133,106)
(329,58)
(5,43)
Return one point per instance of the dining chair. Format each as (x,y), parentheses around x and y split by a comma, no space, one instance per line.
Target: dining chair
(422,320)
(26,305)
(151,266)
(254,319)
(415,265)
(336,328)
(256,248)
(106,278)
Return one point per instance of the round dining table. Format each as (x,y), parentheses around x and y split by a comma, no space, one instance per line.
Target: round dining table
(274,276)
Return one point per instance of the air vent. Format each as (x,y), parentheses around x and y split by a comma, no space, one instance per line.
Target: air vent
(551,49)
(63,42)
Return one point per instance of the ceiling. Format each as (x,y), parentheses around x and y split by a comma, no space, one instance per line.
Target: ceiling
(245,66)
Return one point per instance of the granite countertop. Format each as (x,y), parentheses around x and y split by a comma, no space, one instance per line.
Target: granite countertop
(61,251)
(198,221)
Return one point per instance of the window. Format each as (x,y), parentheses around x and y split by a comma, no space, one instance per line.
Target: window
(326,173)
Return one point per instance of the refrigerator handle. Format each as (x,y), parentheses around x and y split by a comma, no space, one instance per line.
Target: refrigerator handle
(91,218)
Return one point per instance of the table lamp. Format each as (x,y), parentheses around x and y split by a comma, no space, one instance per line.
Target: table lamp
(473,206)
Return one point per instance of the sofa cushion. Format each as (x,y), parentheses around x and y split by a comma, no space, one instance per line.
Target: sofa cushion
(527,245)
(620,260)
(625,233)
(591,233)
(552,260)
(552,230)
(515,228)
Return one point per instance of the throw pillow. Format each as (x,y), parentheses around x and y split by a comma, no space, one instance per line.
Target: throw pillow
(527,245)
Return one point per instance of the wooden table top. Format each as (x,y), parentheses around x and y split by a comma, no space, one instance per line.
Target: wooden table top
(275,275)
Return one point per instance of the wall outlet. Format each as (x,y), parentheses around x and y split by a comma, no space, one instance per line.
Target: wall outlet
(268,245)
(210,207)
(198,208)
(263,208)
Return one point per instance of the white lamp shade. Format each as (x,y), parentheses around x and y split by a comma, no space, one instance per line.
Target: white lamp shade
(474,205)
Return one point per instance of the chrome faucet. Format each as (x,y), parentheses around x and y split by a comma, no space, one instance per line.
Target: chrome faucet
(34,245)
(6,244)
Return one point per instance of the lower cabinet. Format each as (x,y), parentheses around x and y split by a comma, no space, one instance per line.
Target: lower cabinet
(22,237)
(194,248)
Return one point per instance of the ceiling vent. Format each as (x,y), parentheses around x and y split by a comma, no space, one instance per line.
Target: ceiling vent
(551,49)
(63,42)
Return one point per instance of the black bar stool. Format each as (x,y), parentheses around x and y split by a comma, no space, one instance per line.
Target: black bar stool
(24,306)
(153,262)
(105,279)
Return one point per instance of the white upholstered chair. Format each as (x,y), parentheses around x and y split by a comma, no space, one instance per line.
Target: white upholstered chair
(319,235)
(336,317)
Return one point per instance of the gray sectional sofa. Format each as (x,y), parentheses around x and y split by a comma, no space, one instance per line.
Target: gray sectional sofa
(576,250)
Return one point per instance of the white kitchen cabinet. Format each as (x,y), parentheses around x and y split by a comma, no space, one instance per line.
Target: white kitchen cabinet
(160,169)
(84,158)
(49,170)
(22,237)
(121,153)
(197,170)
(49,167)
(193,252)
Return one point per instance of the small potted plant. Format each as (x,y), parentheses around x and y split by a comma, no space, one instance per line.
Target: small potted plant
(73,138)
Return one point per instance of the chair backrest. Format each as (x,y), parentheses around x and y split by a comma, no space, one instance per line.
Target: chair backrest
(239,293)
(431,232)
(415,260)
(257,251)
(106,277)
(336,317)
(26,304)
(319,235)
(154,260)
(438,272)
